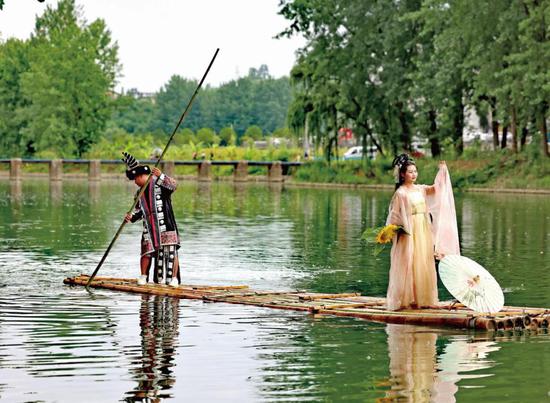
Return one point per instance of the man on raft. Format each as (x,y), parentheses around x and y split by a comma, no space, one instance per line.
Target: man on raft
(160,239)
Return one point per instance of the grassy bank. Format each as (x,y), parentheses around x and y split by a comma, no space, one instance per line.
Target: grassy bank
(492,170)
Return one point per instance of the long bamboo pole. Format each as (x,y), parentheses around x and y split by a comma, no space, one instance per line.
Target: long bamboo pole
(183,115)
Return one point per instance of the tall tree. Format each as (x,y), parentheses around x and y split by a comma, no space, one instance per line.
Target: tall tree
(397,69)
(72,69)
(171,99)
(14,62)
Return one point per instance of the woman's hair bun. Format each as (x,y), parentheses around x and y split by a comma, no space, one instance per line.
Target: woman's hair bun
(401,159)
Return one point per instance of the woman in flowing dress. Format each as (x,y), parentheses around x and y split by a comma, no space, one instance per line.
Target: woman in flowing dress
(428,216)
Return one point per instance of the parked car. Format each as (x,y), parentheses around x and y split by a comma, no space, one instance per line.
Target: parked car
(472,135)
(356,153)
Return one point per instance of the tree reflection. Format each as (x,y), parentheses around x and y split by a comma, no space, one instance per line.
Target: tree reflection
(154,369)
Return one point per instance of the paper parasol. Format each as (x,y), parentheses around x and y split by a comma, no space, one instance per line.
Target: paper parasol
(471,284)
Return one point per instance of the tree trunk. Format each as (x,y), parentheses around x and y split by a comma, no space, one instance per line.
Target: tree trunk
(364,145)
(386,133)
(434,140)
(514,130)
(372,138)
(458,123)
(494,123)
(307,152)
(335,123)
(504,136)
(543,129)
(328,150)
(523,139)
(405,130)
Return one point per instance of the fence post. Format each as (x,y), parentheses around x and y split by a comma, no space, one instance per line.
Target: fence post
(241,172)
(56,170)
(94,170)
(204,171)
(168,168)
(15,169)
(275,172)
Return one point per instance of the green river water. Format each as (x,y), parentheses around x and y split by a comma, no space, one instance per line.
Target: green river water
(63,344)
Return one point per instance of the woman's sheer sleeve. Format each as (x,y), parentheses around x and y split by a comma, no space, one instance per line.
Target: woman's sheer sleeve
(395,215)
(441,205)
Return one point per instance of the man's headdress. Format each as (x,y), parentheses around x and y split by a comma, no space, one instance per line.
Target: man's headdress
(134,167)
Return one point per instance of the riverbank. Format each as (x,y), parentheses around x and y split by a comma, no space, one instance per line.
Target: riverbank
(486,172)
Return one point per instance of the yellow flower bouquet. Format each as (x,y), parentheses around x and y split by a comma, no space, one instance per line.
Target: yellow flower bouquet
(381,236)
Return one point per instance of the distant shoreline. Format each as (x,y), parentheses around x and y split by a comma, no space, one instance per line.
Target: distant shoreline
(289,182)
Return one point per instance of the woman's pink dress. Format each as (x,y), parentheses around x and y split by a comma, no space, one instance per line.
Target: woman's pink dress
(428,215)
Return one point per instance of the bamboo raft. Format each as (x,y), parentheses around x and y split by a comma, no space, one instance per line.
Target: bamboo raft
(348,304)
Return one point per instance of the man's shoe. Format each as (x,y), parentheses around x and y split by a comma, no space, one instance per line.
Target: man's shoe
(142,280)
(174,282)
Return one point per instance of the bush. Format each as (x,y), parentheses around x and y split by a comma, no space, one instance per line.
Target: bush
(208,136)
(227,136)
(254,132)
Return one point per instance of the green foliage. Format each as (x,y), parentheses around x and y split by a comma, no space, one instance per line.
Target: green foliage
(283,132)
(254,132)
(111,147)
(208,136)
(347,172)
(228,137)
(132,115)
(55,93)
(257,99)
(488,169)
(247,141)
(185,136)
(14,61)
(170,102)
(371,235)
(396,70)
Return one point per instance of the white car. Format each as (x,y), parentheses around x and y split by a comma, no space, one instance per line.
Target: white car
(356,153)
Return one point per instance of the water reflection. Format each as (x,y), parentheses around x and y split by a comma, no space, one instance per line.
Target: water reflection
(460,356)
(419,374)
(94,191)
(56,193)
(16,191)
(153,370)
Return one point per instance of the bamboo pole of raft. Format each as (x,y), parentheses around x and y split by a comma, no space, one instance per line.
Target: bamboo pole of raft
(328,296)
(418,317)
(252,294)
(362,307)
(328,307)
(86,277)
(182,117)
(533,325)
(505,324)
(224,287)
